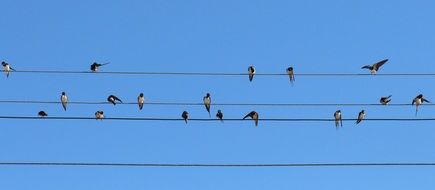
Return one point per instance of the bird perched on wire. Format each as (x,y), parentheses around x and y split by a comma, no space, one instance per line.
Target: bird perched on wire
(140,101)
(254,116)
(42,114)
(291,74)
(385,100)
(7,68)
(113,99)
(99,115)
(338,120)
(185,116)
(64,100)
(207,103)
(375,67)
(418,101)
(220,115)
(95,66)
(251,72)
(361,116)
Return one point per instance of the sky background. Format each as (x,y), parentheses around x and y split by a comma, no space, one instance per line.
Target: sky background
(335,36)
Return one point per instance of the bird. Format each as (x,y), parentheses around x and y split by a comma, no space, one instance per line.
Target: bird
(361,116)
(112,99)
(220,115)
(207,102)
(42,114)
(291,75)
(99,115)
(385,100)
(418,101)
(7,68)
(338,120)
(140,101)
(375,67)
(253,115)
(251,72)
(64,100)
(185,116)
(95,66)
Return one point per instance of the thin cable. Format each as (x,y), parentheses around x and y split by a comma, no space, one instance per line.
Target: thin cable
(82,164)
(202,104)
(198,119)
(215,74)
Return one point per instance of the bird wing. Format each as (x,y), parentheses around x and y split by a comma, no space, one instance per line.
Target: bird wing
(248,115)
(377,65)
(366,67)
(413,101)
(116,98)
(424,100)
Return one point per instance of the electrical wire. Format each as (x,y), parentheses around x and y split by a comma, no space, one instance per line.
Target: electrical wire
(200,119)
(202,104)
(216,73)
(83,164)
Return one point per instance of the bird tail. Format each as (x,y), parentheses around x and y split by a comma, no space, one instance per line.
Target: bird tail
(251,76)
(341,122)
(185,120)
(246,116)
(105,63)
(416,111)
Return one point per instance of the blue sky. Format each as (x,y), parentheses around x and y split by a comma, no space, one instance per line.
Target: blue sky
(216,36)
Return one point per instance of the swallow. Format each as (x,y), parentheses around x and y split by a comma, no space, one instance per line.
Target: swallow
(95,66)
(291,75)
(338,120)
(418,101)
(220,115)
(112,99)
(64,100)
(385,100)
(207,102)
(42,114)
(185,116)
(99,115)
(140,101)
(253,115)
(375,67)
(251,72)
(7,68)
(361,116)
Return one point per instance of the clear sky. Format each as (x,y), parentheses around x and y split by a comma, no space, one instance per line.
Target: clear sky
(217,36)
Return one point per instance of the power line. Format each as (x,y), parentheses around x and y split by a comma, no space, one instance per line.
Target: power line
(202,104)
(83,164)
(216,73)
(199,119)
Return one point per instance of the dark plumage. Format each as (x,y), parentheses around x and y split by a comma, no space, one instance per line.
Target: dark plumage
(291,75)
(185,116)
(220,115)
(253,115)
(113,99)
(375,67)
(95,66)
(42,114)
(385,100)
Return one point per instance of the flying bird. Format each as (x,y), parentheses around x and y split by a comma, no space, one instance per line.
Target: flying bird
(251,72)
(207,102)
(185,116)
(291,75)
(95,66)
(42,114)
(253,115)
(361,116)
(113,99)
(64,100)
(418,101)
(99,115)
(7,68)
(140,101)
(220,115)
(338,120)
(375,67)
(385,100)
